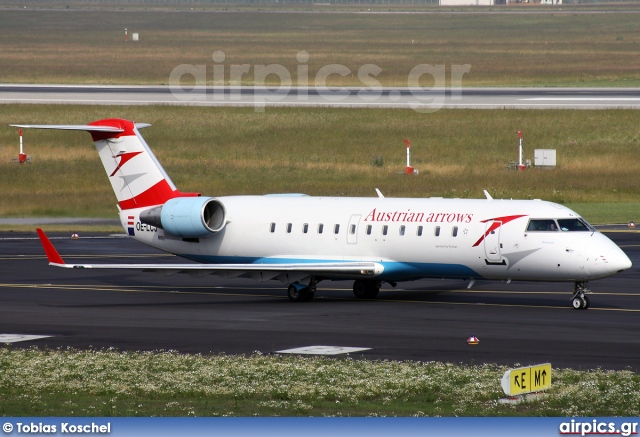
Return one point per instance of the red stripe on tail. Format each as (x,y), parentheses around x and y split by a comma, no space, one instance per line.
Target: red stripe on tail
(156,195)
(127,125)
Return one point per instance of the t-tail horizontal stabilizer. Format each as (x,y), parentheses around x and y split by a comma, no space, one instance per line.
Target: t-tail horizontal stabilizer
(137,178)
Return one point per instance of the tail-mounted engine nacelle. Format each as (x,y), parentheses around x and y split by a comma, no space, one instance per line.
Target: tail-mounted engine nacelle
(187,217)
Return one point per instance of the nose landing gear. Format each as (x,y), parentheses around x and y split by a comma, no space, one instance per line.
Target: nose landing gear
(579,301)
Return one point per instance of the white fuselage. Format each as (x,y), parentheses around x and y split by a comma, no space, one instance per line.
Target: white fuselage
(410,238)
(302,240)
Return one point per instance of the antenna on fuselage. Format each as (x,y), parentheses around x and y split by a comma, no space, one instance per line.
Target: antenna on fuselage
(487,195)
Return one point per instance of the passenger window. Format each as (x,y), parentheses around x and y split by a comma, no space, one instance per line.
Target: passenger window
(336,229)
(542,225)
(454,231)
(385,228)
(437,231)
(272,228)
(305,228)
(352,229)
(320,228)
(402,228)
(368,229)
(419,231)
(289,227)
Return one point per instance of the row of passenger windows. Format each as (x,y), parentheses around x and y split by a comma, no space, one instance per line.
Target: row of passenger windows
(534,225)
(369,229)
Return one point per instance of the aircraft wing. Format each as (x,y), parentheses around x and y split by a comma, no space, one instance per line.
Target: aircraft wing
(286,272)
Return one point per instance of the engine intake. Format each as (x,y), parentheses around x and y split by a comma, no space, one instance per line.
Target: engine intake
(187,217)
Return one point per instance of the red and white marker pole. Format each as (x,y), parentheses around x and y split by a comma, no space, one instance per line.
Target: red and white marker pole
(521,165)
(22,157)
(409,169)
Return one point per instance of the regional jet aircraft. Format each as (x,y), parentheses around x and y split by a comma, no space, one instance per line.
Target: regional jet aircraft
(301,240)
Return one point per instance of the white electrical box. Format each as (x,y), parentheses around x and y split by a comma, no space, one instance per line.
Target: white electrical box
(544,157)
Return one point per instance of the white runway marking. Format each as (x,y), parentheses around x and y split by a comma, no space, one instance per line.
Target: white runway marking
(585,99)
(323,350)
(14,338)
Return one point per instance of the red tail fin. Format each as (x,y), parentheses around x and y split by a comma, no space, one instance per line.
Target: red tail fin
(137,178)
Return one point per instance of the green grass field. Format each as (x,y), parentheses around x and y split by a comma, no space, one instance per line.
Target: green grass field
(331,152)
(557,49)
(111,383)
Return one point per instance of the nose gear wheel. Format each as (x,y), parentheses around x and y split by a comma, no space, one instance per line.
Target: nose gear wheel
(579,301)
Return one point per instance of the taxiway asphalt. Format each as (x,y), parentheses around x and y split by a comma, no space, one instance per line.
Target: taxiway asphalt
(430,320)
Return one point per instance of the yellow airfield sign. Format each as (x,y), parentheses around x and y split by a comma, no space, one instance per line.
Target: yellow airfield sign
(526,379)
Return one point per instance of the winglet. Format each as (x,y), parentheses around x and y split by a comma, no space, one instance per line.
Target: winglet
(52,254)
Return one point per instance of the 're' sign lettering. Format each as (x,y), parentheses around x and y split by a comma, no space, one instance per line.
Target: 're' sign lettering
(527,379)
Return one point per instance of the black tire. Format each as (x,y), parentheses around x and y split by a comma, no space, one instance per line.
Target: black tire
(576,303)
(366,289)
(294,294)
(373,292)
(307,296)
(360,289)
(302,295)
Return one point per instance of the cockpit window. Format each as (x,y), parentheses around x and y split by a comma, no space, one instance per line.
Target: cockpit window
(572,225)
(565,225)
(537,225)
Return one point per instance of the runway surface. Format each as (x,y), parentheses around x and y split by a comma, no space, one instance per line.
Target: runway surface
(420,99)
(518,323)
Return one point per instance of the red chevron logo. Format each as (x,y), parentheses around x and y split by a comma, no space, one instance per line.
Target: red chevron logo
(124,158)
(497,222)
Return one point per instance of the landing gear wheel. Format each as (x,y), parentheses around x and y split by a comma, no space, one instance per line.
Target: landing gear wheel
(301,295)
(294,294)
(585,302)
(366,289)
(373,291)
(579,301)
(359,289)
(307,296)
(576,302)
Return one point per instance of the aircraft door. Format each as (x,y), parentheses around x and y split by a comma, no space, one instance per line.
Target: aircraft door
(492,241)
(352,229)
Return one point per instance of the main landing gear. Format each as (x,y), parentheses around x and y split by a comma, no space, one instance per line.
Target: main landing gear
(301,293)
(366,289)
(363,289)
(579,301)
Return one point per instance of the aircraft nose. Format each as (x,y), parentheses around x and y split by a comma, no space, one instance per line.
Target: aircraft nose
(617,261)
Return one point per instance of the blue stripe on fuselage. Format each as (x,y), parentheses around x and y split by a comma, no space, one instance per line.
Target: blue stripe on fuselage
(393,270)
